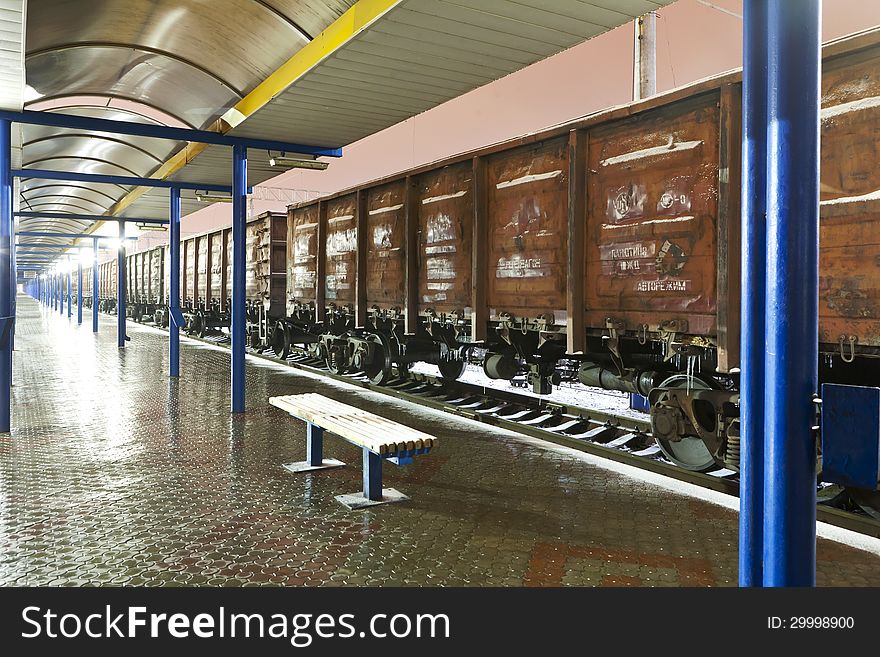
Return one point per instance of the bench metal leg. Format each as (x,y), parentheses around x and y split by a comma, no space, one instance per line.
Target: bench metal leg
(314,453)
(372,476)
(314,444)
(373,492)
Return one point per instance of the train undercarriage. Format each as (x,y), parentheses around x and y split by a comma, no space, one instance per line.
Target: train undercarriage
(694,408)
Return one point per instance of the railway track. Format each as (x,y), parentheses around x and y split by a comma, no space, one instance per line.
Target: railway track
(608,435)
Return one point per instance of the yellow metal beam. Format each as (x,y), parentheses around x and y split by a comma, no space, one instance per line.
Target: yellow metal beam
(354,21)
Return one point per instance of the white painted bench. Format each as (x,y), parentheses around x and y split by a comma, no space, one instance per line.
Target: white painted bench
(379,438)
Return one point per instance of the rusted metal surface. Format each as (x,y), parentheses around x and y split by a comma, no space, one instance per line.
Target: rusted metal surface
(189,268)
(215,261)
(201,279)
(386,246)
(166,273)
(480,250)
(445,209)
(849,238)
(341,250)
(729,235)
(224,266)
(360,295)
(143,277)
(109,279)
(528,226)
(577,220)
(652,199)
(275,250)
(228,268)
(256,265)
(411,254)
(302,250)
(257,257)
(157,272)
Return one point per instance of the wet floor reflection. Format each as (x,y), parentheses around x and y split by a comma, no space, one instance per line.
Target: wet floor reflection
(116,474)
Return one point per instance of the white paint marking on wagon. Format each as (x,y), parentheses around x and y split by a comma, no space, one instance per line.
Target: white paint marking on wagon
(843,200)
(527,179)
(443,197)
(387,208)
(853,106)
(342,217)
(445,248)
(651,152)
(671,220)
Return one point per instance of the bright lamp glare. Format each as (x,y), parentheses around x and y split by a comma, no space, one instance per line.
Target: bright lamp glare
(113,243)
(63,266)
(86,255)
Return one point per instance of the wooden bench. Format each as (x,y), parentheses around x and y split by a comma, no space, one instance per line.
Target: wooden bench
(379,438)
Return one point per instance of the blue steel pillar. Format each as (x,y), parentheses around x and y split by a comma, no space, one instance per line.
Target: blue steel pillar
(792,288)
(174,286)
(14,285)
(754,256)
(69,291)
(95,285)
(120,288)
(60,294)
(79,291)
(6,247)
(239,318)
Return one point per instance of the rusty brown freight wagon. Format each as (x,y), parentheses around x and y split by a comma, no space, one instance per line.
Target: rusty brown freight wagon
(611,243)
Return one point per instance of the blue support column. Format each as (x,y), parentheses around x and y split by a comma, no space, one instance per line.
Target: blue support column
(60,294)
(792,288)
(754,256)
(79,292)
(6,248)
(95,285)
(120,288)
(14,285)
(69,291)
(314,444)
(174,286)
(372,476)
(239,318)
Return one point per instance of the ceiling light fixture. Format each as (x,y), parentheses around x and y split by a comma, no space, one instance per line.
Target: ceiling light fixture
(156,227)
(285,162)
(205,197)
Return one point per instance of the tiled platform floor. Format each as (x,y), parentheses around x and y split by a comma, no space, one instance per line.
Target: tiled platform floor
(115,475)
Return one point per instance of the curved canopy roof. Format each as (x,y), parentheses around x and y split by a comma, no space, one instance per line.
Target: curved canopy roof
(319,72)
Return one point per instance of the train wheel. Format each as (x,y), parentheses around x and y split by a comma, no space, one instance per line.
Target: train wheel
(452,369)
(195,325)
(868,501)
(378,369)
(281,341)
(690,452)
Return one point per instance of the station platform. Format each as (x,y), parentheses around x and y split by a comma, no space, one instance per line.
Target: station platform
(116,475)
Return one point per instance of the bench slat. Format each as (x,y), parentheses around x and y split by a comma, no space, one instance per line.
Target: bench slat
(361,427)
(332,408)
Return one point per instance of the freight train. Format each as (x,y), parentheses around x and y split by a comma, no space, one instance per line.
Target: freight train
(602,252)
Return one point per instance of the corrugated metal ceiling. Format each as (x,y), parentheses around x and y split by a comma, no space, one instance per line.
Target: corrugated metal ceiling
(422,53)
